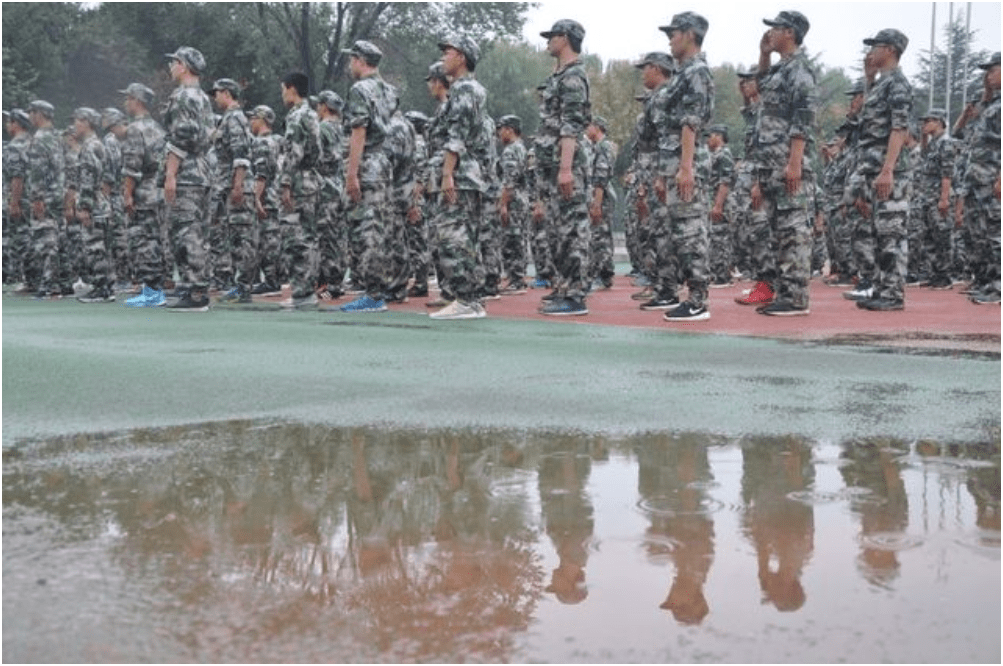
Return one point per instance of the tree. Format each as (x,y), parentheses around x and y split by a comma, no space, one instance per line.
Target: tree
(964,73)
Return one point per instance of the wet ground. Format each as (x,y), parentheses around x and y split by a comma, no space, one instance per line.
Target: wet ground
(309,486)
(267,542)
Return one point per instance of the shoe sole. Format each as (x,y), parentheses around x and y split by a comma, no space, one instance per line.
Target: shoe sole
(704,316)
(793,313)
(857,297)
(201,308)
(667,306)
(743,301)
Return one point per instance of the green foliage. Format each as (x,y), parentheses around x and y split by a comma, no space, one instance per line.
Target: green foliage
(955,40)
(511,73)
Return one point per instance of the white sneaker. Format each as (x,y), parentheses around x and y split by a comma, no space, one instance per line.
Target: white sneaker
(479,309)
(456,310)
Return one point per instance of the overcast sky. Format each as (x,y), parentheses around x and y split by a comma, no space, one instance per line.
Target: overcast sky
(626,29)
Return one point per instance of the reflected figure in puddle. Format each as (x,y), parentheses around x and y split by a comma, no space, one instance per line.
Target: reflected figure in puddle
(781,529)
(673,474)
(567,516)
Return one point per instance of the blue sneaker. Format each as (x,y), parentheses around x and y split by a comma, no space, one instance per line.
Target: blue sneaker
(365,303)
(564,307)
(149,298)
(540,283)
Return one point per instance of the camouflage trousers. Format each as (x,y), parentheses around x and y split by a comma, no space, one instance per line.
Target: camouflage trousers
(721,257)
(937,240)
(332,238)
(42,265)
(419,251)
(121,258)
(71,251)
(242,243)
(758,232)
(398,264)
(680,235)
(601,244)
(540,247)
(430,213)
(300,256)
(16,238)
(791,230)
(187,220)
(839,236)
(270,248)
(884,236)
(367,240)
(919,260)
(819,251)
(631,229)
(982,215)
(489,240)
(568,224)
(514,245)
(98,268)
(457,227)
(146,246)
(655,262)
(739,203)
(221,269)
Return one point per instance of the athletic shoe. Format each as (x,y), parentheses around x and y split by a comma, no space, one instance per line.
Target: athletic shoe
(660,303)
(564,307)
(397,297)
(601,285)
(417,291)
(97,295)
(881,304)
(941,284)
(641,281)
(645,294)
(354,288)
(687,312)
(329,293)
(440,302)
(783,309)
(236,295)
(514,289)
(540,283)
(985,299)
(720,284)
(457,310)
(552,296)
(266,289)
(479,309)
(760,294)
(365,303)
(189,303)
(147,298)
(492,296)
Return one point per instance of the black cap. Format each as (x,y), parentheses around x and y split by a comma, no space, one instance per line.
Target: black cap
(889,36)
(687,21)
(566,27)
(790,19)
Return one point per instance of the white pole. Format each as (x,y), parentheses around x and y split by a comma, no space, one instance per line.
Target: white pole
(968,47)
(950,48)
(933,52)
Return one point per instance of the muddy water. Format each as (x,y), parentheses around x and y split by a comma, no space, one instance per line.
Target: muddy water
(263,542)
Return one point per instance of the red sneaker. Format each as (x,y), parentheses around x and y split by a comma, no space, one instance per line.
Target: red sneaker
(760,294)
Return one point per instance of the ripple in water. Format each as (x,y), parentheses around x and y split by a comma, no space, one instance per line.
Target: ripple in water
(673,505)
(983,542)
(891,541)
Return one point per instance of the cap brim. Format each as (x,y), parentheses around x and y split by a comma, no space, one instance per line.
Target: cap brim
(668,28)
(772,23)
(548,34)
(870,41)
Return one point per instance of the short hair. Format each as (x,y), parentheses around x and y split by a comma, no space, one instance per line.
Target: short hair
(299,81)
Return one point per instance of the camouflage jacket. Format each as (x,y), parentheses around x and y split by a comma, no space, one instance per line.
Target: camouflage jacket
(513,165)
(886,108)
(437,138)
(330,164)
(142,154)
(232,141)
(301,151)
(71,163)
(371,103)
(565,111)
(15,165)
(688,101)
(188,123)
(788,92)
(981,163)
(265,152)
(464,130)
(45,178)
(938,160)
(399,146)
(750,114)
(834,179)
(113,163)
(90,175)
(603,161)
(722,169)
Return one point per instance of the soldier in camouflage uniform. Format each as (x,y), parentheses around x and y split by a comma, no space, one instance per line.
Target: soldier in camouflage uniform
(142,154)
(722,172)
(400,147)
(71,255)
(300,185)
(882,192)
(371,102)
(562,168)
(188,123)
(934,193)
(462,182)
(238,256)
(602,204)
(656,69)
(746,225)
(782,151)
(978,207)
(93,209)
(331,230)
(679,186)
(45,189)
(114,124)
(265,151)
(513,204)
(489,235)
(416,230)
(16,204)
(438,87)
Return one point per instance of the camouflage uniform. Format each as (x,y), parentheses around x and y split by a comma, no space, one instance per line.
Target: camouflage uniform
(96,265)
(489,234)
(680,226)
(645,155)
(332,233)
(886,108)
(265,152)
(539,231)
(71,252)
(722,172)
(16,236)
(789,96)
(601,174)
(458,224)
(142,153)
(513,178)
(188,123)
(437,137)
(939,157)
(419,255)
(236,260)
(400,148)
(298,172)
(565,112)
(371,103)
(753,240)
(118,227)
(839,233)
(45,184)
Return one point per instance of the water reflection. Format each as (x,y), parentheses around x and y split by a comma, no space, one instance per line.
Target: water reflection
(258,542)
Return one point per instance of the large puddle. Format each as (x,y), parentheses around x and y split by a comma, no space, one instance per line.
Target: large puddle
(249,542)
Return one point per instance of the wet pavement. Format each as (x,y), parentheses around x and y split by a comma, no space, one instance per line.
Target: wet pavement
(254,541)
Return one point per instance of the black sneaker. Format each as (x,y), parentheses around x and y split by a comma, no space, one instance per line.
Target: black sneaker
(564,307)
(985,298)
(236,295)
(190,303)
(417,291)
(552,296)
(881,304)
(687,312)
(783,309)
(660,303)
(265,289)
(97,295)
(941,284)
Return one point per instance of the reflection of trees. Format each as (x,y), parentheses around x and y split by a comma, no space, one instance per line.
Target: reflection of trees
(781,529)
(673,474)
(874,465)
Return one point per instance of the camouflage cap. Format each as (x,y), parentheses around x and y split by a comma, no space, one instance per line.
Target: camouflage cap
(510,120)
(889,36)
(87,114)
(566,27)
(43,107)
(464,45)
(331,100)
(190,58)
(993,62)
(111,117)
(790,19)
(139,92)
(264,112)
(859,87)
(437,71)
(20,117)
(935,114)
(600,122)
(366,51)
(718,129)
(687,21)
(659,59)
(229,85)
